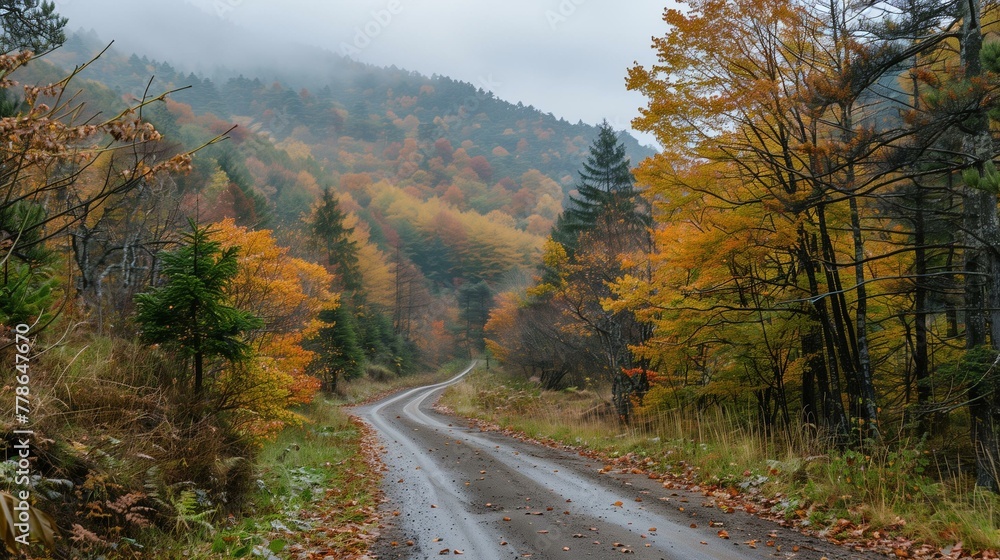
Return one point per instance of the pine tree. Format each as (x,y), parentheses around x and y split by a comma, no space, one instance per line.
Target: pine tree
(330,234)
(190,312)
(30,25)
(608,200)
(606,223)
(340,354)
(27,284)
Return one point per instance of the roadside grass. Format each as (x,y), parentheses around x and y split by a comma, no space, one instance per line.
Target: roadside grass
(316,493)
(851,495)
(115,454)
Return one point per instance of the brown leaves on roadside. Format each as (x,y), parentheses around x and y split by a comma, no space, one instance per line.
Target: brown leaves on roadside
(350,540)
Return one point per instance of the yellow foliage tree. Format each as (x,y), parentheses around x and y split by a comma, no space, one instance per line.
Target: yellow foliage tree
(287,293)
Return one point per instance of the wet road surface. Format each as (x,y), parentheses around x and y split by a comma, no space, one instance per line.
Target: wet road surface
(454,490)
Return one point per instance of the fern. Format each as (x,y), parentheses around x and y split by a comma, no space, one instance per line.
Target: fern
(186,513)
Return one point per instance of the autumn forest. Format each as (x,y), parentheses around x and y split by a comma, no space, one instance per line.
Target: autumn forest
(192,264)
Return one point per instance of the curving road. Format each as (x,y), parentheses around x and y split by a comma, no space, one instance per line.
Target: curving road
(453,489)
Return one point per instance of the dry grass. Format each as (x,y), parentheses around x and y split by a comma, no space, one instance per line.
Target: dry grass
(114,435)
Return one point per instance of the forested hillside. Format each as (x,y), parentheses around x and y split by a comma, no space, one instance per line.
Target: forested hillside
(189,259)
(440,183)
(376,106)
(806,274)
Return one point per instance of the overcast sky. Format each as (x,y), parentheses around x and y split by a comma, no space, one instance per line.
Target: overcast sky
(567,57)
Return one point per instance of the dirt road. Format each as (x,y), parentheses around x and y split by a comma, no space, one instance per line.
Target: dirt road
(459,491)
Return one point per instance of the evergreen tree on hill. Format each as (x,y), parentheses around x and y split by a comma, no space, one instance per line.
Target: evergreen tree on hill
(606,194)
(332,237)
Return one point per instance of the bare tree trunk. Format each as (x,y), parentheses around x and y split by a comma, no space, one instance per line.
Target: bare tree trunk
(982,294)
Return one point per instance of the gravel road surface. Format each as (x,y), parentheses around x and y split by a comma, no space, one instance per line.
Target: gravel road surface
(454,490)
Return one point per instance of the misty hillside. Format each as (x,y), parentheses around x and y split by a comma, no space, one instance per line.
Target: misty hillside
(435,172)
(339,97)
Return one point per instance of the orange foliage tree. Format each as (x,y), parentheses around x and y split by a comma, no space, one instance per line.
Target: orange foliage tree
(287,293)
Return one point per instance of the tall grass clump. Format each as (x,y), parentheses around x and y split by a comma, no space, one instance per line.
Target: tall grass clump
(120,451)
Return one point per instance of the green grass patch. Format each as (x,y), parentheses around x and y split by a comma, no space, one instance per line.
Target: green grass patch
(314,495)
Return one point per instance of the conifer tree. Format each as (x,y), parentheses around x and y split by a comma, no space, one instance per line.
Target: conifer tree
(30,25)
(330,234)
(190,311)
(608,200)
(340,354)
(606,223)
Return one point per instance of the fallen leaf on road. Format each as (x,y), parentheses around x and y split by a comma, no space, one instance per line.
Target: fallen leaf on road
(618,504)
(506,519)
(723,534)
